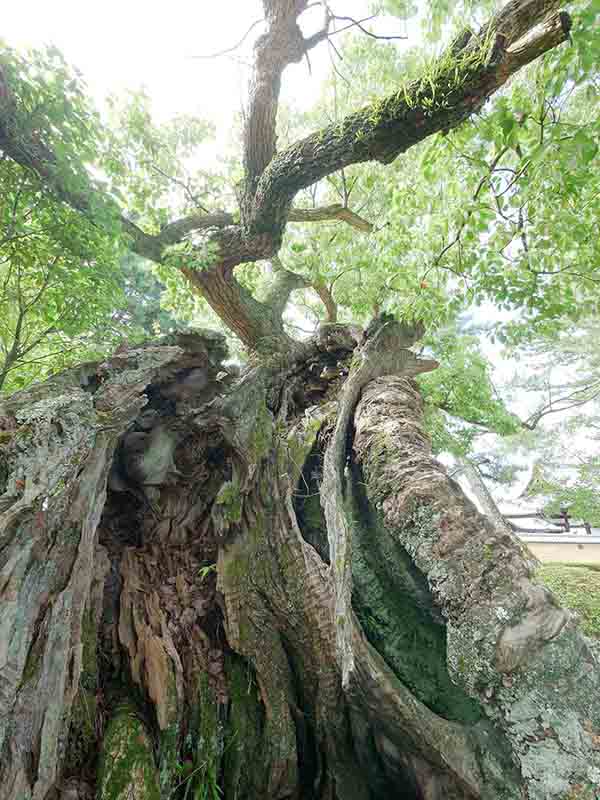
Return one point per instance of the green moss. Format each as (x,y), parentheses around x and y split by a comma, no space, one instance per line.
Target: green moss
(243,743)
(82,747)
(262,434)
(394,606)
(32,665)
(577,588)
(169,772)
(230,500)
(127,763)
(89,656)
(35,657)
(299,443)
(434,89)
(583,792)
(311,519)
(203,748)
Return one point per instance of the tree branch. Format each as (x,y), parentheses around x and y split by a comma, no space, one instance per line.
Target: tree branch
(457,85)
(326,297)
(357,23)
(259,326)
(577,398)
(283,284)
(282,44)
(336,211)
(235,46)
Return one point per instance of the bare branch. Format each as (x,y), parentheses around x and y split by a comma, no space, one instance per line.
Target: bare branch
(352,24)
(358,24)
(333,212)
(235,46)
(576,399)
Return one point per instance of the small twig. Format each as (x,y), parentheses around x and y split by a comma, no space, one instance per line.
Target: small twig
(235,46)
(357,23)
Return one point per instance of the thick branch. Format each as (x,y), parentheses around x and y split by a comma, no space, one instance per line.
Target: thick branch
(383,353)
(282,44)
(283,284)
(508,644)
(381,131)
(336,211)
(326,298)
(258,326)
(456,86)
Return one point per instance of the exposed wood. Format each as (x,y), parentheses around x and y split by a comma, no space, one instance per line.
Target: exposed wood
(383,353)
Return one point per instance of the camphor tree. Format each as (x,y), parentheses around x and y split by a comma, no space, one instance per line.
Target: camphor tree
(264,586)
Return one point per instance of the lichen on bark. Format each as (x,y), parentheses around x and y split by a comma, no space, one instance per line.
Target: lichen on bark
(508,643)
(128,770)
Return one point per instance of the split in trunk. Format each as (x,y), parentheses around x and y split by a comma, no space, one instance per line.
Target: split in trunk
(180,616)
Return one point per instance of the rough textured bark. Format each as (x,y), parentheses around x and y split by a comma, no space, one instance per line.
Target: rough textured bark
(178,615)
(169,593)
(508,644)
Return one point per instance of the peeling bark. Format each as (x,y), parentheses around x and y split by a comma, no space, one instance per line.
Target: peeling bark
(57,466)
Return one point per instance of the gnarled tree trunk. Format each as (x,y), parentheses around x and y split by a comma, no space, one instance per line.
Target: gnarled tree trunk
(265,587)
(181,619)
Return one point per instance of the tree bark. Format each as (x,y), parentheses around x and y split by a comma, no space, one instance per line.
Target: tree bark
(170,587)
(509,645)
(180,618)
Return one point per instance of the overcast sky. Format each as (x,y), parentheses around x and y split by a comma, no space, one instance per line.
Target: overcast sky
(120,44)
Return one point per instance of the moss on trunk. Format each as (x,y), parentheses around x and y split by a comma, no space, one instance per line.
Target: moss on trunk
(127,770)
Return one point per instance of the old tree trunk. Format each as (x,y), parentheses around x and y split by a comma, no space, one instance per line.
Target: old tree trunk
(264,586)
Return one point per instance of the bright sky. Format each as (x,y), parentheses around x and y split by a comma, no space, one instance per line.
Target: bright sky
(122,44)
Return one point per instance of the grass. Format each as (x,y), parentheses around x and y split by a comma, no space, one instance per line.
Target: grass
(576,586)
